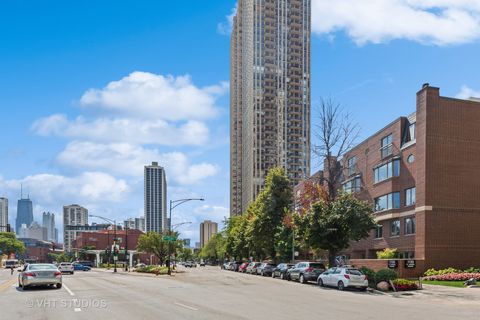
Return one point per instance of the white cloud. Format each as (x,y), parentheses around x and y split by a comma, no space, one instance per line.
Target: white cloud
(467,93)
(161,97)
(127,159)
(225,28)
(51,189)
(438,22)
(131,130)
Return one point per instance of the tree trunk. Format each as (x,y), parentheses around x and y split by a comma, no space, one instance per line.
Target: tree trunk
(331,258)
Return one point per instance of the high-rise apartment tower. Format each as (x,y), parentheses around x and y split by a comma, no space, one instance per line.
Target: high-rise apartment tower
(269,95)
(155,198)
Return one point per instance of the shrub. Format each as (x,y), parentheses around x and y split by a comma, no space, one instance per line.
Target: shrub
(453,277)
(387,253)
(385,275)
(472,270)
(433,272)
(370,275)
(158,270)
(404,285)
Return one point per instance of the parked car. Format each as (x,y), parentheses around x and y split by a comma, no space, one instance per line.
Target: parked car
(343,277)
(140,265)
(86,263)
(266,269)
(202,263)
(66,267)
(281,270)
(226,265)
(81,267)
(243,267)
(252,267)
(235,265)
(39,274)
(306,271)
(190,264)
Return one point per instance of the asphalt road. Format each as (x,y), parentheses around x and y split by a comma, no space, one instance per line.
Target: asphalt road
(209,293)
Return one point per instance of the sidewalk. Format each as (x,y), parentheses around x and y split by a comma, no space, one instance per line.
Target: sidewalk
(444,294)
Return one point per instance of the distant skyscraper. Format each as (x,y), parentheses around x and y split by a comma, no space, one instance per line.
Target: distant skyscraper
(207,230)
(73,215)
(3,214)
(140,223)
(269,95)
(24,214)
(155,198)
(48,222)
(129,223)
(186,242)
(22,232)
(36,231)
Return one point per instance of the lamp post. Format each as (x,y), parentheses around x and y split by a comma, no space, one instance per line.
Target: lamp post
(108,233)
(173,205)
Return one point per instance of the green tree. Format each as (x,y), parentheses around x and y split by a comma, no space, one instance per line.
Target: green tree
(333,225)
(185,254)
(153,243)
(59,257)
(214,249)
(10,244)
(267,213)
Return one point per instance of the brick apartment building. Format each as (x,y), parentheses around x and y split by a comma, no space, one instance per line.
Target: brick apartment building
(103,239)
(422,175)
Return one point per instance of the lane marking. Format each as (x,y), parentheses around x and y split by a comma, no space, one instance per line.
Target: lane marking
(9,283)
(77,309)
(185,306)
(68,289)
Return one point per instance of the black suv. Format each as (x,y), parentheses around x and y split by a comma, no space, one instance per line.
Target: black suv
(306,271)
(281,270)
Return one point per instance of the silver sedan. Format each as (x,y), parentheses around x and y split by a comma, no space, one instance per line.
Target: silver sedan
(39,274)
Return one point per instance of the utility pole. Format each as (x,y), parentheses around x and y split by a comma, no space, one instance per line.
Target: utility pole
(177,203)
(127,260)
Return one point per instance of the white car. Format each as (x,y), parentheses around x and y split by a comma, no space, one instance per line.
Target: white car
(343,277)
(66,267)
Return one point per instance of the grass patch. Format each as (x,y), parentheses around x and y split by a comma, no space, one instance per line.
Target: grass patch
(456,284)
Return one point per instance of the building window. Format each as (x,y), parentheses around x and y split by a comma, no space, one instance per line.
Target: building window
(409,134)
(395,228)
(386,171)
(411,158)
(386,146)
(410,196)
(353,185)
(387,202)
(407,255)
(379,231)
(351,165)
(410,226)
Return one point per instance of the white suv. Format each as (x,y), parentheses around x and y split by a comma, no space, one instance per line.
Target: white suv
(343,277)
(66,267)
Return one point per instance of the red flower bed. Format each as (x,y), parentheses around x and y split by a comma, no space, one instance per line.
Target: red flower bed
(454,277)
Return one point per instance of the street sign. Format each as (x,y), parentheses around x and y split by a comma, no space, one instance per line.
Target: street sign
(410,264)
(169,238)
(115,258)
(392,264)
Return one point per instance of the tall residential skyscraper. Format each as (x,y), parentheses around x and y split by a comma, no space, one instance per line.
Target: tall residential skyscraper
(3,214)
(269,95)
(207,230)
(73,215)
(24,214)
(155,194)
(48,222)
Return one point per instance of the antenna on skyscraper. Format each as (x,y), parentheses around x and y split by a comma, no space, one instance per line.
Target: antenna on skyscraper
(21,190)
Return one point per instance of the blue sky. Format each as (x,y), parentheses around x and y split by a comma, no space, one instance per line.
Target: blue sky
(76,128)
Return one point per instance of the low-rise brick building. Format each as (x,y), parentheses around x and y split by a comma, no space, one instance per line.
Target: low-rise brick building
(422,175)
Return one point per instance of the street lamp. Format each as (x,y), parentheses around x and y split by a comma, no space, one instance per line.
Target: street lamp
(114,235)
(173,205)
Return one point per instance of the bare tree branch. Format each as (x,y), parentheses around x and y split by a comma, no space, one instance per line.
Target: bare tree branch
(336,134)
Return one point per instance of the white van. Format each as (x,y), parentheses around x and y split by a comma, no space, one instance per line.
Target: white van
(12,263)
